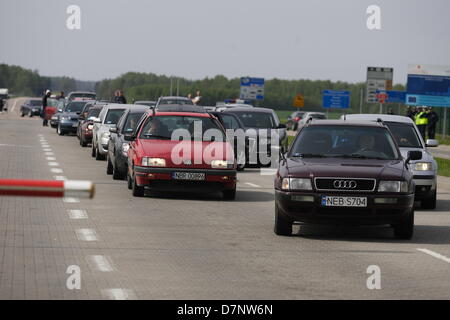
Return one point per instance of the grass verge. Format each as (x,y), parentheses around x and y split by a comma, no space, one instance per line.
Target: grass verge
(443,166)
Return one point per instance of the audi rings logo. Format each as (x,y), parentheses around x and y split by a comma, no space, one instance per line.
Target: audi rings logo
(345,184)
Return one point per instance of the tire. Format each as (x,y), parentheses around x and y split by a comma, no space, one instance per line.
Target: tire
(98,156)
(405,230)
(93,150)
(22,114)
(129,182)
(229,194)
(295,127)
(116,174)
(282,226)
(137,190)
(429,203)
(109,166)
(59,131)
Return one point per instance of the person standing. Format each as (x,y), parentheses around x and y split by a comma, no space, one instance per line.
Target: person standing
(433,119)
(421,121)
(120,98)
(1,105)
(61,96)
(197,98)
(44,106)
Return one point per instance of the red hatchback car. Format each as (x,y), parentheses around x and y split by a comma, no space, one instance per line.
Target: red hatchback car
(181,151)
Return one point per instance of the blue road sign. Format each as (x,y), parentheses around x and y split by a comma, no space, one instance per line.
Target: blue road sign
(394,96)
(336,99)
(252,88)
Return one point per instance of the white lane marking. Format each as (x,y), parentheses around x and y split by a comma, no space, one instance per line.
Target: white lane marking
(45,146)
(53,164)
(100,263)
(119,294)
(49,154)
(60,178)
(435,254)
(14,105)
(252,185)
(86,234)
(77,214)
(47,150)
(56,170)
(71,200)
(51,158)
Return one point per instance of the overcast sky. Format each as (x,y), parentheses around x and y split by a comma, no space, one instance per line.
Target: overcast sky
(288,39)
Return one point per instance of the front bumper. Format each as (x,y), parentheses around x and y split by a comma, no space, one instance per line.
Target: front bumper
(68,126)
(426,184)
(161,179)
(315,212)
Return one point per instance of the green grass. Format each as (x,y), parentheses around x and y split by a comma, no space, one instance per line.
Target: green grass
(443,140)
(443,166)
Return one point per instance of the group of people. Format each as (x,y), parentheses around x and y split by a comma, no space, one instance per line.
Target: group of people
(425,119)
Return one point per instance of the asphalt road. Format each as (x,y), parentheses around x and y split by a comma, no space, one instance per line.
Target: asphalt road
(182,246)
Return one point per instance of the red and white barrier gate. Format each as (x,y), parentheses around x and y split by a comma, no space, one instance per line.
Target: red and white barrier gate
(47,188)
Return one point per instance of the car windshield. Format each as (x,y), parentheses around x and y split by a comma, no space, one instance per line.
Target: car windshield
(93,112)
(405,135)
(76,106)
(113,116)
(256,119)
(162,127)
(83,95)
(229,122)
(35,103)
(132,122)
(176,101)
(357,142)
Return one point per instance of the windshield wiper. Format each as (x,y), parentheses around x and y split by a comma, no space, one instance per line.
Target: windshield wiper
(309,155)
(156,136)
(357,156)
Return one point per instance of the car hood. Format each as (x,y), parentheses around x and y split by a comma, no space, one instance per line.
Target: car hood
(346,168)
(185,151)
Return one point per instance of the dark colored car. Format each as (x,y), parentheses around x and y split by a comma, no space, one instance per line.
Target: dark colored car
(231,122)
(260,124)
(158,162)
(86,125)
(31,107)
(68,118)
(341,172)
(293,119)
(117,156)
(84,115)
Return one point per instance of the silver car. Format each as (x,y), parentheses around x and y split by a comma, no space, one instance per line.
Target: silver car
(107,118)
(409,139)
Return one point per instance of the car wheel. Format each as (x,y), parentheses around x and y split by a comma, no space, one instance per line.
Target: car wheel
(59,131)
(93,150)
(429,203)
(109,166)
(22,114)
(83,142)
(229,194)
(295,127)
(282,226)
(98,156)
(117,175)
(129,181)
(405,229)
(137,190)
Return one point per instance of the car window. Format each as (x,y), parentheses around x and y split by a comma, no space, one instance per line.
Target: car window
(257,119)
(75,106)
(163,126)
(132,122)
(176,101)
(229,122)
(345,142)
(94,112)
(405,135)
(35,103)
(113,116)
(82,95)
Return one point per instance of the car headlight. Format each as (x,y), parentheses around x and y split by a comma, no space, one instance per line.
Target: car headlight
(423,166)
(65,118)
(221,164)
(393,186)
(90,126)
(296,184)
(153,162)
(104,138)
(54,117)
(125,147)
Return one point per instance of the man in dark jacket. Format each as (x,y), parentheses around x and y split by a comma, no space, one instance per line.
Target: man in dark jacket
(433,119)
(44,105)
(121,98)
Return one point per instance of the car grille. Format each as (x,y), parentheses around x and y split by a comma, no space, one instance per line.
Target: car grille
(345,184)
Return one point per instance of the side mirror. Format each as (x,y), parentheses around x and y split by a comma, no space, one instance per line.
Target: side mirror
(59,110)
(129,137)
(414,155)
(96,120)
(113,130)
(281,126)
(432,143)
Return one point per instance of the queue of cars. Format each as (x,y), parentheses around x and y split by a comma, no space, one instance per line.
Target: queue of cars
(359,170)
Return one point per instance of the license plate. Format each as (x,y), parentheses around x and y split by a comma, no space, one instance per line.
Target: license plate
(188,176)
(328,201)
